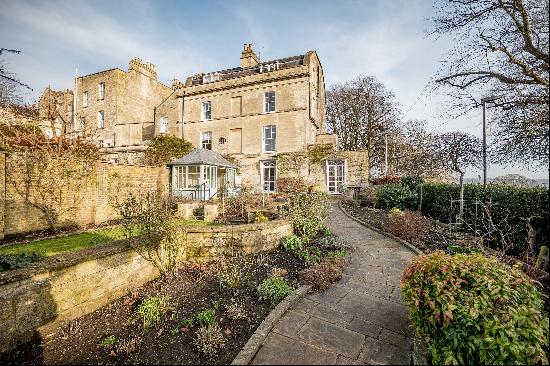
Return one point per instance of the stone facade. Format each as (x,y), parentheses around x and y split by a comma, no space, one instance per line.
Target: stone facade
(126,103)
(251,113)
(56,115)
(33,301)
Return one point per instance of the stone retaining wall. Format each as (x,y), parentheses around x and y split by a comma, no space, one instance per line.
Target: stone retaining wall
(34,300)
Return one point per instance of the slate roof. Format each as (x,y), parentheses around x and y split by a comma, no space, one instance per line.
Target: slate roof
(203,156)
(284,63)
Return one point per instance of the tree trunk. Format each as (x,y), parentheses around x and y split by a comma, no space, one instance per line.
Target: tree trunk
(461,202)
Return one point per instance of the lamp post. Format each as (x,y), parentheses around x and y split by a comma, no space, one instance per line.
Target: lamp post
(483,103)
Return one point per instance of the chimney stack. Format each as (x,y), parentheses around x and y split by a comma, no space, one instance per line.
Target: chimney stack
(248,57)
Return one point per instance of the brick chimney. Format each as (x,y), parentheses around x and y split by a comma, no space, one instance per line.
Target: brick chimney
(248,57)
(145,68)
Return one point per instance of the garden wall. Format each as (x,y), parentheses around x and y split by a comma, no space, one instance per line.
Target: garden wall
(92,204)
(34,300)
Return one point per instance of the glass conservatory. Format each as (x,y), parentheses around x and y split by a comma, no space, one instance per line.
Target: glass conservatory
(202,175)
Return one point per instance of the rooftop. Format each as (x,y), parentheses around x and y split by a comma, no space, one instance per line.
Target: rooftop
(203,157)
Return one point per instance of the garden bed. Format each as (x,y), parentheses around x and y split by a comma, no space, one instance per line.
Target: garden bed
(113,335)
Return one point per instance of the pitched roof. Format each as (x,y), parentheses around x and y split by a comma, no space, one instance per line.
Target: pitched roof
(203,156)
(283,63)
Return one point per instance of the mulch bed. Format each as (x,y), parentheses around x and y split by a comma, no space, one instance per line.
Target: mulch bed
(192,288)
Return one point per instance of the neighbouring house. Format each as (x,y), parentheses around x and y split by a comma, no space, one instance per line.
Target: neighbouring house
(55,111)
(267,117)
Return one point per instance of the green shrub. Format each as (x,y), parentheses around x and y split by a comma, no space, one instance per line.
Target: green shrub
(14,261)
(311,255)
(396,196)
(274,290)
(291,242)
(234,274)
(338,253)
(332,243)
(325,231)
(151,310)
(307,212)
(109,342)
(206,317)
(164,148)
(475,310)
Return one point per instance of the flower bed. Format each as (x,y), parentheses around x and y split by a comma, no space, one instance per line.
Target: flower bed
(217,303)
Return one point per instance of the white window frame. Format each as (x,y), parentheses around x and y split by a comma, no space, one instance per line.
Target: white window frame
(101,91)
(84,99)
(100,119)
(163,127)
(81,124)
(267,108)
(273,129)
(263,164)
(204,110)
(203,143)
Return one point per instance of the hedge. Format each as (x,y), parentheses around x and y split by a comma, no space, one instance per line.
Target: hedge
(510,205)
(475,310)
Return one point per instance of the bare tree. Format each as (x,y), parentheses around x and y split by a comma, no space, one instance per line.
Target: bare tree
(10,86)
(501,48)
(457,152)
(361,112)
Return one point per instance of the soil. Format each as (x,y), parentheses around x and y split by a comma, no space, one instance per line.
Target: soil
(192,288)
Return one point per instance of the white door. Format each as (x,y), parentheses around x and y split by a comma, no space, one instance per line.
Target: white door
(336,174)
(213,179)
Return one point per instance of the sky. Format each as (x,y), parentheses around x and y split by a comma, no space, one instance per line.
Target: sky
(383,38)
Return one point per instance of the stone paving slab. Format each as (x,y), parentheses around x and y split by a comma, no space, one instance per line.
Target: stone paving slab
(362,319)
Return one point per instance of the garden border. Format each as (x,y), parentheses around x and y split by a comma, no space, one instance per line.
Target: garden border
(379,231)
(250,349)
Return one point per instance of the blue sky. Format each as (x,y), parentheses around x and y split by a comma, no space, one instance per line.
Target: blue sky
(384,38)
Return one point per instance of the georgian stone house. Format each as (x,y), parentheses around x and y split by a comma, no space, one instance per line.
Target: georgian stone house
(268,118)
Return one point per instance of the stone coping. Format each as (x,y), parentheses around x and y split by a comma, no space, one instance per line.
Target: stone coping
(251,347)
(64,260)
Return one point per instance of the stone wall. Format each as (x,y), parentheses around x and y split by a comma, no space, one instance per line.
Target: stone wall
(34,300)
(92,204)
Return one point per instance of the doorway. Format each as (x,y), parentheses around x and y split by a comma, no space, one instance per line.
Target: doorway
(336,175)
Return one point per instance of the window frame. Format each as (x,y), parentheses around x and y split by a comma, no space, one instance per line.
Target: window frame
(273,130)
(163,124)
(267,164)
(204,111)
(202,140)
(102,114)
(267,102)
(101,91)
(85,99)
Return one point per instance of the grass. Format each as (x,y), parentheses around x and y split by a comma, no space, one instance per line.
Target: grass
(69,243)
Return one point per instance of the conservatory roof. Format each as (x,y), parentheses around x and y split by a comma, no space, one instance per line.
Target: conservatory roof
(203,157)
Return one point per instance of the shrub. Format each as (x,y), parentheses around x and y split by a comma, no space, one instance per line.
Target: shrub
(151,310)
(338,253)
(109,342)
(14,261)
(307,212)
(408,225)
(291,242)
(392,195)
(234,274)
(209,341)
(164,148)
(205,317)
(274,290)
(236,311)
(311,255)
(321,275)
(325,231)
(475,310)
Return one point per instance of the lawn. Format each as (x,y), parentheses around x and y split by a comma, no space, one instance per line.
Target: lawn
(49,247)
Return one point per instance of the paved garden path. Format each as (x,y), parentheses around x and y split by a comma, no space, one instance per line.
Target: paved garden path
(362,319)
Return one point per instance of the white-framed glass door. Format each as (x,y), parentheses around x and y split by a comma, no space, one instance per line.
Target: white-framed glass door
(336,175)
(268,172)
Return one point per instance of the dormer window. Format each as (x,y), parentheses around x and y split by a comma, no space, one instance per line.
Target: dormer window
(210,78)
(269,67)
